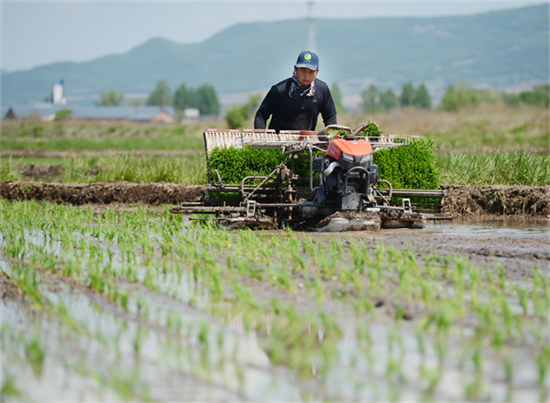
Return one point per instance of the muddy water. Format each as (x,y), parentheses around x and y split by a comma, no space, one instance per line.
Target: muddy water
(515,229)
(232,364)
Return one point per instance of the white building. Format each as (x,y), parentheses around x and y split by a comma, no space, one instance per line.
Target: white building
(57,94)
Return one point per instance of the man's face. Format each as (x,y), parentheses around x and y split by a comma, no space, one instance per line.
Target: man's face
(305,75)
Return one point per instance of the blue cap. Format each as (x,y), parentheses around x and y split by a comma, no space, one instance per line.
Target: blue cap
(308,59)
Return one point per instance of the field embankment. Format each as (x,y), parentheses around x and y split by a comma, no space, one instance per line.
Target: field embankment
(461,201)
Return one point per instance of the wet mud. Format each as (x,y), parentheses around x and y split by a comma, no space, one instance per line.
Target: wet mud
(102,193)
(461,201)
(520,256)
(475,201)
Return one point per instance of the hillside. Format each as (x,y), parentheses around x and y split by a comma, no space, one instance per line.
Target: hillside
(499,49)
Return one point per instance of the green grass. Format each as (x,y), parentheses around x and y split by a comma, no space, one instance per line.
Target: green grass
(486,128)
(521,168)
(478,146)
(120,144)
(37,160)
(131,168)
(99,136)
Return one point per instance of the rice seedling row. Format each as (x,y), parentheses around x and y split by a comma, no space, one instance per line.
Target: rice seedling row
(264,314)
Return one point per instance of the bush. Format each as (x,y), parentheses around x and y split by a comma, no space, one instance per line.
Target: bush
(236,116)
(63,114)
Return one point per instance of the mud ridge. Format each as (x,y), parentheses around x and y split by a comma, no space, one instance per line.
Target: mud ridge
(102,192)
(497,200)
(462,201)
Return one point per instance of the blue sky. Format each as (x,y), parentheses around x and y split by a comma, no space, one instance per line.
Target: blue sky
(42,32)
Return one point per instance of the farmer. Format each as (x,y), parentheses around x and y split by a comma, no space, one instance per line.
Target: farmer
(295,103)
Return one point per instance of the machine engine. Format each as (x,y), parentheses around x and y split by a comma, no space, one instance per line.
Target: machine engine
(347,174)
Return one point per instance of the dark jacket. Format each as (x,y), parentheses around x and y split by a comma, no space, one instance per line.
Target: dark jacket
(295,113)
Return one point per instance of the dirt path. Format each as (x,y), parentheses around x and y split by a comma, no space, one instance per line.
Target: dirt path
(461,201)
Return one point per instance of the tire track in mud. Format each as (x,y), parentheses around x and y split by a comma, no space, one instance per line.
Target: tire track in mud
(461,201)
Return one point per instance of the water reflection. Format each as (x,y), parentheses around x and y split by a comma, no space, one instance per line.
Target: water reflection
(528,228)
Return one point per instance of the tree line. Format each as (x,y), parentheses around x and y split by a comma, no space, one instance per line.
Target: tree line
(203,98)
(460,95)
(457,96)
(377,100)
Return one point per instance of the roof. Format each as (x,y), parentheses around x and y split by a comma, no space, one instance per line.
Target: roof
(89,112)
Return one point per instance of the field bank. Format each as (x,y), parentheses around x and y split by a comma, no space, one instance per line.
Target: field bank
(461,201)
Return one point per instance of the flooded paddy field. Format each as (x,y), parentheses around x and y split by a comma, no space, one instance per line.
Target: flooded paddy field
(134,303)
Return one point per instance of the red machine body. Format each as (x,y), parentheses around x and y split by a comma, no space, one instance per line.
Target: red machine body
(355,148)
(350,153)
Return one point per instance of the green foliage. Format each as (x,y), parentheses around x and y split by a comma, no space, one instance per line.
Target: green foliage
(406,167)
(207,100)
(388,100)
(460,95)
(422,97)
(204,98)
(375,100)
(521,168)
(409,167)
(417,97)
(184,97)
(63,114)
(161,95)
(111,98)
(539,95)
(234,164)
(370,98)
(337,98)
(237,115)
(368,130)
(407,95)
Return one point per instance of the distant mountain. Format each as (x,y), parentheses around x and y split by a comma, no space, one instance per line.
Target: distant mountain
(498,49)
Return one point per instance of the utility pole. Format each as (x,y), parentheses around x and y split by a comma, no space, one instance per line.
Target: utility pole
(311,26)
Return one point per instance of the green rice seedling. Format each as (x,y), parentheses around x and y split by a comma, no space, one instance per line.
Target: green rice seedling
(441,318)
(523,168)
(394,369)
(432,378)
(474,390)
(9,387)
(477,359)
(243,294)
(441,351)
(317,288)
(543,361)
(16,247)
(509,369)
(364,338)
(364,304)
(27,279)
(380,252)
(421,343)
(35,355)
(330,325)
